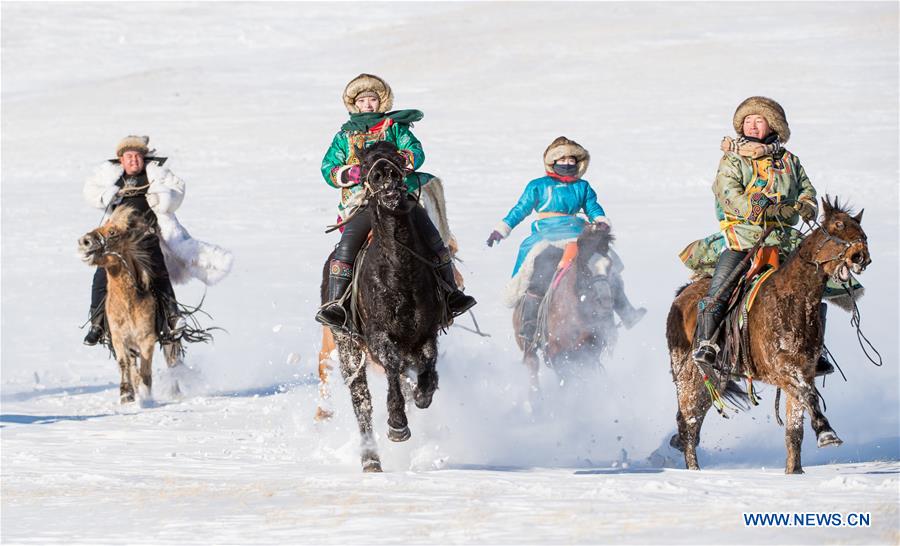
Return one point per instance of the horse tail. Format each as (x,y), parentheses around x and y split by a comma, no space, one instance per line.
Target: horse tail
(738,397)
(436,206)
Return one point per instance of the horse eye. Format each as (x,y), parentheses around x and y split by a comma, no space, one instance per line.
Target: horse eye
(839,225)
(111,232)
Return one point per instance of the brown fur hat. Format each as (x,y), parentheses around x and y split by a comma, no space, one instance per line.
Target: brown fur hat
(563,147)
(767,108)
(368,84)
(133,143)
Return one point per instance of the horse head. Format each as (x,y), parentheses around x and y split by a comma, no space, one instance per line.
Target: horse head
(843,246)
(382,172)
(119,241)
(594,239)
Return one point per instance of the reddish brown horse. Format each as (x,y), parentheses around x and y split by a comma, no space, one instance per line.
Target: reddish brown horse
(576,321)
(785,334)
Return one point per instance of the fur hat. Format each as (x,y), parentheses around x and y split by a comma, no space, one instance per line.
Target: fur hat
(563,147)
(767,108)
(368,85)
(133,143)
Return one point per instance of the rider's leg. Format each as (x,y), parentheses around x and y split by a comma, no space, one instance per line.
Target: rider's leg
(710,310)
(332,312)
(545,265)
(165,293)
(823,366)
(98,310)
(627,312)
(458,302)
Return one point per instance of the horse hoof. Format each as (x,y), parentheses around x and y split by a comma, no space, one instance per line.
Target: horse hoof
(828,438)
(794,471)
(372,466)
(399,434)
(423,400)
(126,398)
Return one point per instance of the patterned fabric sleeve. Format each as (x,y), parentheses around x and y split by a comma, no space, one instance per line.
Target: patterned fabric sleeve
(807,191)
(408,144)
(729,188)
(334,159)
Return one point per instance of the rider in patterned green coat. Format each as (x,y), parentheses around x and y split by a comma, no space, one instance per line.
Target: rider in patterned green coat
(759,184)
(368,99)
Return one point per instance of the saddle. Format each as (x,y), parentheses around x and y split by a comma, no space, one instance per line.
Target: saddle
(355,320)
(734,358)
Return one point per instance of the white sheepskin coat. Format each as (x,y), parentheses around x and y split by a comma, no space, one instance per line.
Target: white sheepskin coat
(185,256)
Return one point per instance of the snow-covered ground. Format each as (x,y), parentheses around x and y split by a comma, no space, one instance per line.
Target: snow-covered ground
(244,98)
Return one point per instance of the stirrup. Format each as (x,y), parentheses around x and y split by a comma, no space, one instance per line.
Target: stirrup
(706,353)
(327,316)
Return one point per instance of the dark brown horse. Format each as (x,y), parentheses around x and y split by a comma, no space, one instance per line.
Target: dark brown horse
(785,334)
(576,322)
(399,307)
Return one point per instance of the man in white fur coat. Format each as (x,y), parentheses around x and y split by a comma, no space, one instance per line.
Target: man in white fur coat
(137,178)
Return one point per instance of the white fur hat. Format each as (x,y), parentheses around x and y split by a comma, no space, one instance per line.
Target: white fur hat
(133,143)
(368,84)
(563,147)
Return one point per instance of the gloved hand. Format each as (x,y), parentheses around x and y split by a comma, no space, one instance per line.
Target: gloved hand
(807,210)
(350,177)
(495,237)
(603,223)
(152,200)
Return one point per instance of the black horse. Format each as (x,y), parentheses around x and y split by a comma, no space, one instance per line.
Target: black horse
(398,303)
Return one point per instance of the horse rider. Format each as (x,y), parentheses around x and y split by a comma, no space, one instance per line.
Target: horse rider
(138,179)
(557,197)
(368,99)
(758,184)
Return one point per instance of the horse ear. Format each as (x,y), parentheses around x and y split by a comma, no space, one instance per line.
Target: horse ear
(858,217)
(826,205)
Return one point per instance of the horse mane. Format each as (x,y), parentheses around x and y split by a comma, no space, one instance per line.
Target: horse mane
(836,206)
(132,245)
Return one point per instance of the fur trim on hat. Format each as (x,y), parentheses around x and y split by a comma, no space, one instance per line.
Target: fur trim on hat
(133,143)
(563,147)
(368,82)
(767,108)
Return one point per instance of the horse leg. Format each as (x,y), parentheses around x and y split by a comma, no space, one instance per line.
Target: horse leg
(693,403)
(793,435)
(145,372)
(804,390)
(398,426)
(354,373)
(123,358)
(323,413)
(427,380)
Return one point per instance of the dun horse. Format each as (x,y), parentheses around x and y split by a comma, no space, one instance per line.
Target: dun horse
(398,303)
(576,321)
(119,246)
(785,334)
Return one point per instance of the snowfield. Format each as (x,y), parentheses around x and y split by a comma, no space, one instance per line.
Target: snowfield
(244,98)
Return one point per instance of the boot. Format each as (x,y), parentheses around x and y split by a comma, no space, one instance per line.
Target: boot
(530,305)
(457,300)
(823,365)
(96,331)
(710,312)
(709,316)
(629,315)
(333,313)
(173,317)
